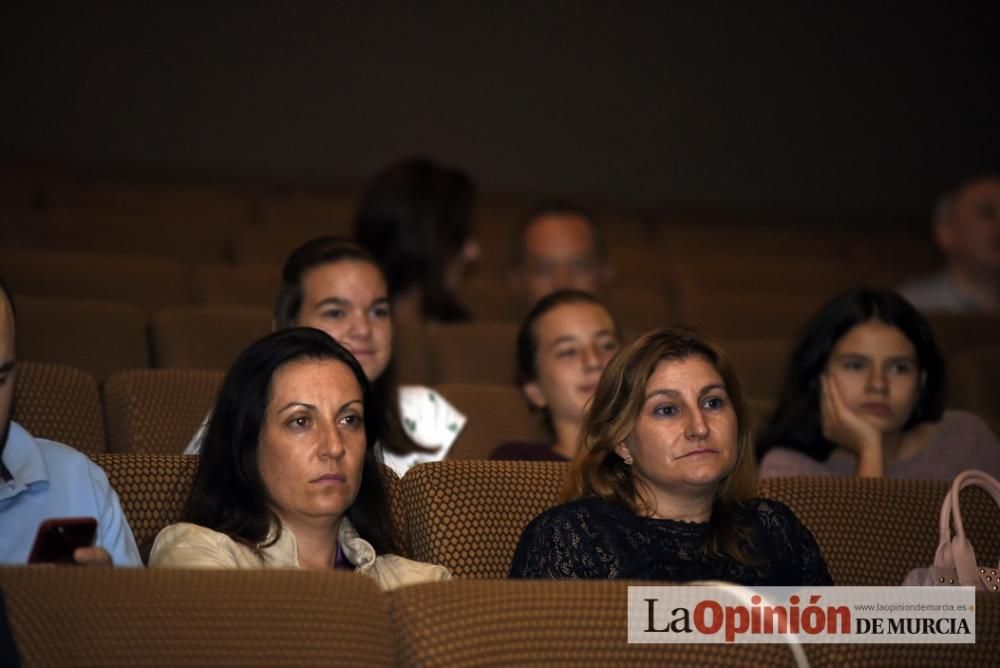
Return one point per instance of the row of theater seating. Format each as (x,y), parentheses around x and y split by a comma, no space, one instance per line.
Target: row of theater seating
(466,516)
(159,410)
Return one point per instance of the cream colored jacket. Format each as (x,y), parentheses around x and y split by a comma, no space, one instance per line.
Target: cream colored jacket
(191,546)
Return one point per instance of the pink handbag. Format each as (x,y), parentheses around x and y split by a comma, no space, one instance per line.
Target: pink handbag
(955,561)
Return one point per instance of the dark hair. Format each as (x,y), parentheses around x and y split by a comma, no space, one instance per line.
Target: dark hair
(559,208)
(228,494)
(614,411)
(287,307)
(797,422)
(10,297)
(415,218)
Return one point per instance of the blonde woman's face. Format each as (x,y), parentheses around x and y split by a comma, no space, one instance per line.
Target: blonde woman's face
(685,440)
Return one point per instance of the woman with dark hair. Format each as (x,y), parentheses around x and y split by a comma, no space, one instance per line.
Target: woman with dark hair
(863,396)
(662,486)
(335,285)
(563,346)
(287,478)
(415,219)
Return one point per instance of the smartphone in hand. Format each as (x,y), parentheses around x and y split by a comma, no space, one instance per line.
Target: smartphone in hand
(57,539)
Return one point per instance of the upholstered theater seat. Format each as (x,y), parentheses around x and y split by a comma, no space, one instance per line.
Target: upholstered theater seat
(157,410)
(474,352)
(468,515)
(542,623)
(495,414)
(873,531)
(205,337)
(152,487)
(100,337)
(60,403)
(135,617)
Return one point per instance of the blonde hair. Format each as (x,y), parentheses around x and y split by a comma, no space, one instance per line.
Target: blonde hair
(614,410)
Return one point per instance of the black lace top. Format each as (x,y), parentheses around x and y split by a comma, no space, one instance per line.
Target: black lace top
(592,538)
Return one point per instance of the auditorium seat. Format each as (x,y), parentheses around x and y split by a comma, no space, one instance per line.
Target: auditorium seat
(491,299)
(411,355)
(469,515)
(746,316)
(98,336)
(271,244)
(60,403)
(153,489)
(638,310)
(205,337)
(146,282)
(495,414)
(163,618)
(183,237)
(472,623)
(332,212)
(956,332)
(972,383)
(760,364)
(157,410)
(236,284)
(473,352)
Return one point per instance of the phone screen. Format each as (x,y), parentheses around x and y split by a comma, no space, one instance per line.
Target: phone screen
(57,539)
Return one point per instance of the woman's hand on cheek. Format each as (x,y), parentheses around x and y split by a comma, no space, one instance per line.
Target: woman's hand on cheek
(849,430)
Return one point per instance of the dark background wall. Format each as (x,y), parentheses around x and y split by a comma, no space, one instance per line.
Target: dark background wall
(825,107)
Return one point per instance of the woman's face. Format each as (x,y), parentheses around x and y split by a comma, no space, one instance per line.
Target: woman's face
(312,444)
(875,367)
(575,342)
(349,301)
(685,440)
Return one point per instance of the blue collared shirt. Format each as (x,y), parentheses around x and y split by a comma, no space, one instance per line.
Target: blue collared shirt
(53,480)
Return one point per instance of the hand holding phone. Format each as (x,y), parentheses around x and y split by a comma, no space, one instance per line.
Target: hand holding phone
(57,539)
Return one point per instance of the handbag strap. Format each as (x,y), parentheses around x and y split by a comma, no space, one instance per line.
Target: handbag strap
(956,552)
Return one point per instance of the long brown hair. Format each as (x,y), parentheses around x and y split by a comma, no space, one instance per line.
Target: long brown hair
(611,417)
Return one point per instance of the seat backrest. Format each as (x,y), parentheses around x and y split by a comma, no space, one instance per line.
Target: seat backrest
(157,410)
(153,489)
(760,364)
(146,282)
(177,617)
(205,337)
(873,532)
(972,378)
(475,352)
(60,403)
(253,285)
(955,332)
(543,622)
(97,336)
(469,515)
(494,414)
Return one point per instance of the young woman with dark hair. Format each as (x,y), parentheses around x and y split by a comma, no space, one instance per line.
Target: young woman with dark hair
(663,483)
(864,396)
(287,477)
(563,346)
(415,220)
(334,285)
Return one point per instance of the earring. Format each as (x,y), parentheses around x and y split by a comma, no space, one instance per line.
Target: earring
(627,459)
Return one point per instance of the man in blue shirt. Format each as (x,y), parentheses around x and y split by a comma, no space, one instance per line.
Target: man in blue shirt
(42,479)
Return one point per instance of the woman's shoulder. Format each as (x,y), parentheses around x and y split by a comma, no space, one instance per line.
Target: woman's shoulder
(185,545)
(963,423)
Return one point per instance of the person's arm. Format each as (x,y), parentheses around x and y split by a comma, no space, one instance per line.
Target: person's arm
(787,463)
(115,542)
(850,431)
